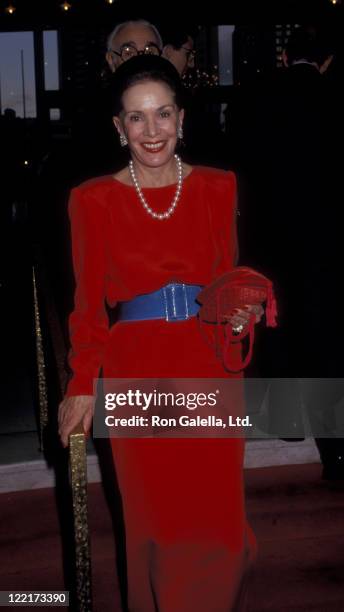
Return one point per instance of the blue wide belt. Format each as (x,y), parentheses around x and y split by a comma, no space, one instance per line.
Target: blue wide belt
(174,302)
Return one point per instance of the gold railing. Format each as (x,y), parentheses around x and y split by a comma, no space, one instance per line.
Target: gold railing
(77,456)
(41,373)
(78,467)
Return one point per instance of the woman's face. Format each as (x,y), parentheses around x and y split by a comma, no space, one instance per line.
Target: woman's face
(150,120)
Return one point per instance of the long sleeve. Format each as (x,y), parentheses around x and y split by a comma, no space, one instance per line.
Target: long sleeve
(88,323)
(223,207)
(234,246)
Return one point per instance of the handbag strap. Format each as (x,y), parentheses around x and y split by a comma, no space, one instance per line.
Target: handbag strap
(230,339)
(231,363)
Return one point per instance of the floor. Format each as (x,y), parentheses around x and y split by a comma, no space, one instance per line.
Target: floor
(297,517)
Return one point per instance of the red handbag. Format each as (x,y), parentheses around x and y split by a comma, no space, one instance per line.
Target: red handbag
(236,289)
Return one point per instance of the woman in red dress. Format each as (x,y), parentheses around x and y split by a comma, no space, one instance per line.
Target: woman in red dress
(157,226)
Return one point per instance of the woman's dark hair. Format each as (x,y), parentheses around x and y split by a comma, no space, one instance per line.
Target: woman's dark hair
(144,68)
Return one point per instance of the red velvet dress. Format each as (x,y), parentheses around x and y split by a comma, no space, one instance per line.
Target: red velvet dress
(188,543)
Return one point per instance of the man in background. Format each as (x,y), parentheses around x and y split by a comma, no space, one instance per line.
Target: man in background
(179,49)
(132,38)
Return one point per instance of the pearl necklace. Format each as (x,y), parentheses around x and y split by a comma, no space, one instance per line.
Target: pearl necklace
(145,205)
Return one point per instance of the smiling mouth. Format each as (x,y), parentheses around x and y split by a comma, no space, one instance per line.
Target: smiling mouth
(153,147)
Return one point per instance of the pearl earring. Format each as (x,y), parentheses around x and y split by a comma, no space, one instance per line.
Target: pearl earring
(180,133)
(123,140)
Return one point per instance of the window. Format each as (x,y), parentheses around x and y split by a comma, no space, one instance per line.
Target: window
(17,73)
(225,54)
(51,67)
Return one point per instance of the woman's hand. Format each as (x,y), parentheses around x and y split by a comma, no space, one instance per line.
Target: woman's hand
(240,318)
(72,411)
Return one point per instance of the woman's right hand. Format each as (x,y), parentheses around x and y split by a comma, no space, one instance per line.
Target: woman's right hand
(73,411)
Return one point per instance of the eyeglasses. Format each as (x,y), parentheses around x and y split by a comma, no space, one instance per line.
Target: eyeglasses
(128,51)
(190,53)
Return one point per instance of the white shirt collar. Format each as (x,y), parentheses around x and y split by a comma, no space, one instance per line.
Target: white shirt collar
(303,61)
